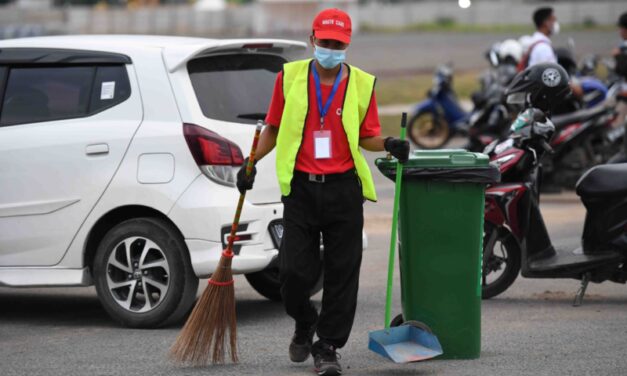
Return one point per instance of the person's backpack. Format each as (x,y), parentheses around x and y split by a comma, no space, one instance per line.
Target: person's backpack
(524,61)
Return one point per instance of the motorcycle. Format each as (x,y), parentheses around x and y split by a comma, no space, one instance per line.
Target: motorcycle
(438,118)
(583,139)
(515,235)
(492,115)
(594,91)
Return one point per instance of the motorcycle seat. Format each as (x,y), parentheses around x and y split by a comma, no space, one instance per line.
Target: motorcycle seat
(604,180)
(577,116)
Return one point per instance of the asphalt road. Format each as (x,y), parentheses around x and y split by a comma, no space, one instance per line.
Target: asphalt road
(530,329)
(399,54)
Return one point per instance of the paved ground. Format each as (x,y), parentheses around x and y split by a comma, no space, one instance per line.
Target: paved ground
(398,54)
(531,329)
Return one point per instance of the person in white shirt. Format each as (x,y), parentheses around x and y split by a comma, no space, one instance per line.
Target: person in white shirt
(538,46)
(540,49)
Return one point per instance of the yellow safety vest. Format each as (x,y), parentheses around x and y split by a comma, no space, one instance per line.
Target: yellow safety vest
(359,90)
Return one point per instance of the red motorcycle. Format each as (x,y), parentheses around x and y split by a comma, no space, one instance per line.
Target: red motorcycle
(515,235)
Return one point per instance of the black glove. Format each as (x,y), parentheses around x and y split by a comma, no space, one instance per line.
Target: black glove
(397,147)
(244,182)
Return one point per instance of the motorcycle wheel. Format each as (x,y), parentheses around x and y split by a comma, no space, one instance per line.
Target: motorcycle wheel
(427,133)
(501,261)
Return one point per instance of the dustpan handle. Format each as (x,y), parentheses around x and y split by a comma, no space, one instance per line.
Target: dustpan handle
(397,194)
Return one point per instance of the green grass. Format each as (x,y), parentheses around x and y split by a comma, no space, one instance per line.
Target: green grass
(410,89)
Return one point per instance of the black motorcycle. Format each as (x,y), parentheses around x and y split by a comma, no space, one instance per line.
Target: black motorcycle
(583,139)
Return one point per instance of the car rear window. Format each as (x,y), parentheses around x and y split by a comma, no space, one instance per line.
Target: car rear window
(234,88)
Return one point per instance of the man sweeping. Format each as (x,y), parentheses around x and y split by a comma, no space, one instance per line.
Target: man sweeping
(321,113)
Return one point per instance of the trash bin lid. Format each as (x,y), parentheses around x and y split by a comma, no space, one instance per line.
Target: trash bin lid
(448,158)
(453,165)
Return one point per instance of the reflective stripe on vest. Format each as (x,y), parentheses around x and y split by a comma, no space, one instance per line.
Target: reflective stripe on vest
(359,89)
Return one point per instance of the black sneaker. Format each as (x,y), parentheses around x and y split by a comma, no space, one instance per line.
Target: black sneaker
(300,347)
(326,361)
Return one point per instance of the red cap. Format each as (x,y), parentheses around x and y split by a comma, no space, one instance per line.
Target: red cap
(333,24)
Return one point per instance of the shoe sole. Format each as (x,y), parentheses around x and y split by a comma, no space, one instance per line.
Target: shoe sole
(329,372)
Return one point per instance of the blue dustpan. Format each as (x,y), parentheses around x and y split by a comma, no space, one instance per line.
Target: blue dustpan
(412,341)
(405,343)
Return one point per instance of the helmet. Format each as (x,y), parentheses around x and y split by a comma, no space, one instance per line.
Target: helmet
(510,50)
(541,86)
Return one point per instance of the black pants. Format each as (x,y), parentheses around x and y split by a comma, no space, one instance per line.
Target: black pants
(335,210)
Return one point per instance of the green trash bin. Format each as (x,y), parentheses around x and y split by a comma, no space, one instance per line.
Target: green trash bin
(440,243)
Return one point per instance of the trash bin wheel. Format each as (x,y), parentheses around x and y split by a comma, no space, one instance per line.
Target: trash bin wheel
(398,321)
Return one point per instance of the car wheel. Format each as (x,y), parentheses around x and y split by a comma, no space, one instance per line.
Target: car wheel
(143,274)
(267,283)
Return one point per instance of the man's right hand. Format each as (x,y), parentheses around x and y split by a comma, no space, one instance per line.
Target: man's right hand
(397,147)
(245,182)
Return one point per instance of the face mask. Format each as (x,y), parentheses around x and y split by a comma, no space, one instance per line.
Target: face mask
(329,58)
(556,28)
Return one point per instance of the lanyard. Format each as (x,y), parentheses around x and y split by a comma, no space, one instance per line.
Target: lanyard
(323,110)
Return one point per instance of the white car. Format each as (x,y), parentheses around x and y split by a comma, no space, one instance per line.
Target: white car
(118,157)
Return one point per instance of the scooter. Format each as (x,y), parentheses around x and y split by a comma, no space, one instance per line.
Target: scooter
(439,117)
(515,235)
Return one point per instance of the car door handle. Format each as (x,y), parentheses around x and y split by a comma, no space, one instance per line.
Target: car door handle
(97,149)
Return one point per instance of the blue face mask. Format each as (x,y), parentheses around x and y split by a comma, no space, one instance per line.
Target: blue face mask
(329,58)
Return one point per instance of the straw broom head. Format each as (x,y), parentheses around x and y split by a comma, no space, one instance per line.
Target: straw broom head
(213,316)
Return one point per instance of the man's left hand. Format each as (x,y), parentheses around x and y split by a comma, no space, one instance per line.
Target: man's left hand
(398,148)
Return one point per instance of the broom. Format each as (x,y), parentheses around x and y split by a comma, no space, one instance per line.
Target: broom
(206,328)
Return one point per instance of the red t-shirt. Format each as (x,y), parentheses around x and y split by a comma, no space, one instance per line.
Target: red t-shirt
(341,159)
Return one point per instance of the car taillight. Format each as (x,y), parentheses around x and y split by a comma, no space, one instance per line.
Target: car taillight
(216,156)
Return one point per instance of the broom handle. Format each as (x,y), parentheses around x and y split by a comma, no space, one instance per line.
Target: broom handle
(240,204)
(397,194)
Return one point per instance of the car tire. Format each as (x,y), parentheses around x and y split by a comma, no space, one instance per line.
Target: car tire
(266,282)
(143,274)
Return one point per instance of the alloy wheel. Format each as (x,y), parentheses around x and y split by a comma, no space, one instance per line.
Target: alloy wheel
(138,274)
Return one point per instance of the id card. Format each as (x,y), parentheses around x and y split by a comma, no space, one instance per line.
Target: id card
(322,144)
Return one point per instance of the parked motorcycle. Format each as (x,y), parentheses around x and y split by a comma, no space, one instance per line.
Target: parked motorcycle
(441,116)
(438,118)
(515,235)
(583,139)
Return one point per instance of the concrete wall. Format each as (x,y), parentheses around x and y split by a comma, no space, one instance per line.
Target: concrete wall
(488,12)
(279,17)
(171,20)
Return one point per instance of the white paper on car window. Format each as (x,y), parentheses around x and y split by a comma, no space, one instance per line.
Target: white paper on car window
(107,90)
